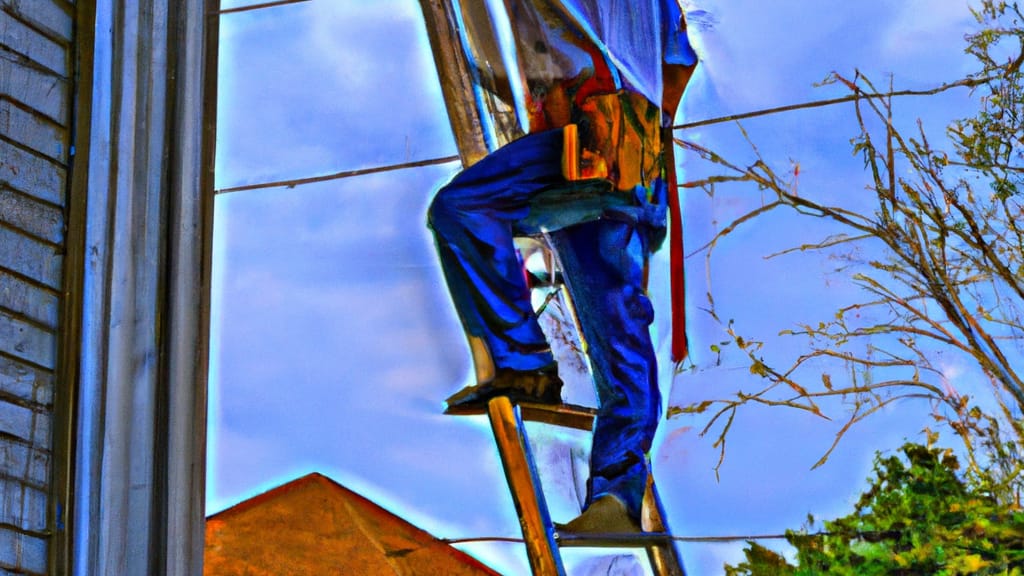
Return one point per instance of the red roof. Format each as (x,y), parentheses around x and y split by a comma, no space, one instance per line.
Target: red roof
(315,526)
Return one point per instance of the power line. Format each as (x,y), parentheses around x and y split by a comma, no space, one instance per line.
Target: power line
(338,175)
(259,6)
(689,539)
(867,535)
(964,83)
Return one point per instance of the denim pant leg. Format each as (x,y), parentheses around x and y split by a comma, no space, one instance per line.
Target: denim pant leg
(603,265)
(472,218)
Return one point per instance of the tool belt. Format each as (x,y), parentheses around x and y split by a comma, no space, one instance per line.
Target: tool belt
(614,137)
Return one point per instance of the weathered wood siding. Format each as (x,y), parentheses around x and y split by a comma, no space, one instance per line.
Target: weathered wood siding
(36,49)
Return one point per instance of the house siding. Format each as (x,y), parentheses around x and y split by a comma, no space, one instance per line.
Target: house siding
(36,55)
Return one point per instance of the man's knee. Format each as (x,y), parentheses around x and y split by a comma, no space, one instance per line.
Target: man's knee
(442,211)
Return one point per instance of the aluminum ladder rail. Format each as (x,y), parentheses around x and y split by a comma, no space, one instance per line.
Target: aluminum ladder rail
(543,542)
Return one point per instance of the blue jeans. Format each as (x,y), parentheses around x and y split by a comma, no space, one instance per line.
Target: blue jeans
(475,218)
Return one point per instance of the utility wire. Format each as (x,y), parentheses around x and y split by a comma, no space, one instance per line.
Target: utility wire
(690,539)
(258,6)
(964,83)
(868,535)
(338,175)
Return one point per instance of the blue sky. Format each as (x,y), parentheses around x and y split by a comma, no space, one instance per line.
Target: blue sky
(334,343)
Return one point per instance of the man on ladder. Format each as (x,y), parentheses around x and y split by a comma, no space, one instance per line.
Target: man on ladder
(600,83)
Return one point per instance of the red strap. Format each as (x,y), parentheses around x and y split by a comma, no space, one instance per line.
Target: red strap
(678,286)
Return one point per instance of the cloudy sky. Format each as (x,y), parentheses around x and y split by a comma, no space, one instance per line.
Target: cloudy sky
(334,342)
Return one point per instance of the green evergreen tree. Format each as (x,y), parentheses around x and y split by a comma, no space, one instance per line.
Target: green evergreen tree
(919,516)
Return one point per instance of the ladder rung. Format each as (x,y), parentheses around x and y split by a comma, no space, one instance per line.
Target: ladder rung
(613,540)
(565,415)
(539,533)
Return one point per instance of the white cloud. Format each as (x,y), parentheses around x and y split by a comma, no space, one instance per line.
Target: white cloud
(350,37)
(762,54)
(929,34)
(290,80)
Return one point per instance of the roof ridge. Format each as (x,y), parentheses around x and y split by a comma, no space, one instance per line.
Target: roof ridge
(275,492)
(361,510)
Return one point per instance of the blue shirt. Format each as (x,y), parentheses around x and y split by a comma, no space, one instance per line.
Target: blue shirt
(588,47)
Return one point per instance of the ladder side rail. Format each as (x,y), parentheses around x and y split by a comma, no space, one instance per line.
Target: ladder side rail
(664,556)
(524,483)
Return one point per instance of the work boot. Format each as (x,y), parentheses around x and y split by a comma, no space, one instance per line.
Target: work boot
(537,386)
(606,515)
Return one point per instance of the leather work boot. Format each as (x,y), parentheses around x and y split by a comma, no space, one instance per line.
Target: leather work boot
(606,515)
(536,386)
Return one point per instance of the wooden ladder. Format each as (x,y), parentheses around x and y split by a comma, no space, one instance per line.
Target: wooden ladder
(543,542)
